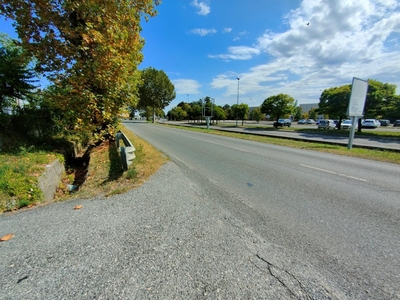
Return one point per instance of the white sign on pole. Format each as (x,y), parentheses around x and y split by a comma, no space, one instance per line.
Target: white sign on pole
(355,109)
(357,98)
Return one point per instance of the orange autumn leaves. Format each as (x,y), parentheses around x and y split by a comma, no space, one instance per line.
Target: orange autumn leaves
(6,237)
(91,49)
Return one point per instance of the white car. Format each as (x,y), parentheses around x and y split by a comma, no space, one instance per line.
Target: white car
(347,124)
(369,123)
(326,124)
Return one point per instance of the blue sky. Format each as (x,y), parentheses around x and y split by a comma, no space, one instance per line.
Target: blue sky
(288,46)
(203,46)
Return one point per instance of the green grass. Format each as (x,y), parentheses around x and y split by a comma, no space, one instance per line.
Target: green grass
(20,170)
(19,173)
(377,155)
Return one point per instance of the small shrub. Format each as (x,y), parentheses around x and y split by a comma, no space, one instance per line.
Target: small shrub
(19,172)
(131,174)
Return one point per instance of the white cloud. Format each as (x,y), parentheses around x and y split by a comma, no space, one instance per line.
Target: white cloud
(226,30)
(344,39)
(203,7)
(203,31)
(240,35)
(238,53)
(186,86)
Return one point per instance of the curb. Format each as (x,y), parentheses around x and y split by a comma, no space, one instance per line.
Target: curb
(49,181)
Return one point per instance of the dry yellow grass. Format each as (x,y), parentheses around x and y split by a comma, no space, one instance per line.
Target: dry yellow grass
(105,176)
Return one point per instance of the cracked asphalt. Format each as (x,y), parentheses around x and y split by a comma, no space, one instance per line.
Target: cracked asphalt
(165,240)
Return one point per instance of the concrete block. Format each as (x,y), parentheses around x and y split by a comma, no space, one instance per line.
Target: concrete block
(50,179)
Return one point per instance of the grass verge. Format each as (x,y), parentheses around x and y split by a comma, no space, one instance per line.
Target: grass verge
(377,155)
(19,173)
(105,176)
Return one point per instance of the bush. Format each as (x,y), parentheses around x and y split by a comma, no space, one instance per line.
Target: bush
(18,177)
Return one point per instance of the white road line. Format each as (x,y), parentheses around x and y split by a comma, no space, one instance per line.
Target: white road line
(335,173)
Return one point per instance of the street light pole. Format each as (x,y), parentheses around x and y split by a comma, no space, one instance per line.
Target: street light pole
(238,79)
(252,109)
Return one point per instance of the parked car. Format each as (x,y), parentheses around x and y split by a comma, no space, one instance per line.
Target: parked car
(317,122)
(283,122)
(326,124)
(396,123)
(302,121)
(384,122)
(369,123)
(310,121)
(336,122)
(347,124)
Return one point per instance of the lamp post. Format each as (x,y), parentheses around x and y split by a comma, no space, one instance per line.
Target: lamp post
(238,79)
(252,109)
(188,97)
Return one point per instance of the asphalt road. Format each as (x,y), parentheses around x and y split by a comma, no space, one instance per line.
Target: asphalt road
(338,214)
(225,219)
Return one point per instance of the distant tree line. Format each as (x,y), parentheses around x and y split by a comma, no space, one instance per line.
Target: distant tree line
(193,112)
(381,103)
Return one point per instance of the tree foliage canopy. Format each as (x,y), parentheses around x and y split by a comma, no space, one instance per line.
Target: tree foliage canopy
(194,110)
(16,79)
(334,101)
(89,49)
(256,114)
(380,101)
(156,90)
(241,111)
(379,96)
(278,106)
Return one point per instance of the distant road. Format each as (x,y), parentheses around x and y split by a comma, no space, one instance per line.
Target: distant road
(337,214)
(368,142)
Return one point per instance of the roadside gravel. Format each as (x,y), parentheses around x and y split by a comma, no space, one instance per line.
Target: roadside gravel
(167,239)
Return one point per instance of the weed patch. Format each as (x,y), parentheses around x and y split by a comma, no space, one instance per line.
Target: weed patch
(19,172)
(105,176)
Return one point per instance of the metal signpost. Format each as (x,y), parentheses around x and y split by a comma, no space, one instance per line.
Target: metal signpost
(208,110)
(355,109)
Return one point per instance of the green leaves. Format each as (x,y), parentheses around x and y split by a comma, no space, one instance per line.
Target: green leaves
(240,111)
(334,101)
(16,79)
(90,50)
(379,103)
(278,106)
(156,90)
